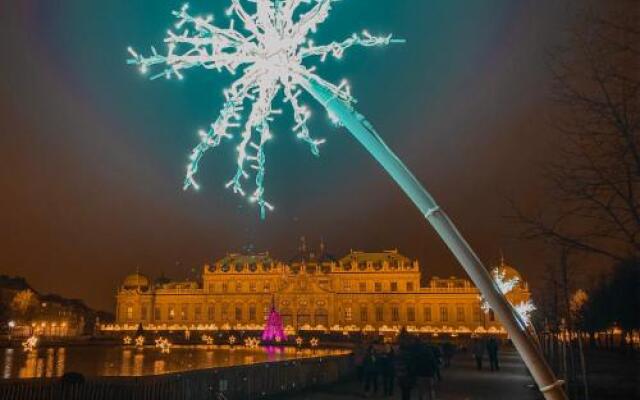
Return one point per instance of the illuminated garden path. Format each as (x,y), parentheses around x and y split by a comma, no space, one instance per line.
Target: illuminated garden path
(460,382)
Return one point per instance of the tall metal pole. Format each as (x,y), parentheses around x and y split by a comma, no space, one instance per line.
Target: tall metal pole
(364,132)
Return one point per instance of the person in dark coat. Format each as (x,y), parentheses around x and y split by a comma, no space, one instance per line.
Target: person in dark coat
(370,369)
(492,350)
(404,366)
(387,370)
(478,348)
(448,350)
(426,366)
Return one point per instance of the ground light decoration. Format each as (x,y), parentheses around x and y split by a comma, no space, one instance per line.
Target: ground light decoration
(268,52)
(164,345)
(506,285)
(30,344)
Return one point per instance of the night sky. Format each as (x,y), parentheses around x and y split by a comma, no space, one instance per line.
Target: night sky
(93,154)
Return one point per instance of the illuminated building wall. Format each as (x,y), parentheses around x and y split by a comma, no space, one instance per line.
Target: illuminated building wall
(361,291)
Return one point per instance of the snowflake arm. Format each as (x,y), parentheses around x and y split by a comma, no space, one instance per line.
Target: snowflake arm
(337,49)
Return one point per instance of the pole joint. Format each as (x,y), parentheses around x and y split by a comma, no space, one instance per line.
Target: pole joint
(432,211)
(554,385)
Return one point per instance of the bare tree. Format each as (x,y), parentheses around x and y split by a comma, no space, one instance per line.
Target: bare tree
(595,180)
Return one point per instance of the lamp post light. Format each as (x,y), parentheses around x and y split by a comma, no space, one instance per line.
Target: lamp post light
(271,58)
(11,324)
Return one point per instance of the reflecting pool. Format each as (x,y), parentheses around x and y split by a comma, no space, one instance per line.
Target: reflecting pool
(133,361)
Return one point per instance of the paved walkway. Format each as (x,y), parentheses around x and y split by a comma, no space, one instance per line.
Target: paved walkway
(461,381)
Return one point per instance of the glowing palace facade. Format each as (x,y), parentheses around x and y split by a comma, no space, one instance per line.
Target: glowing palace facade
(370,292)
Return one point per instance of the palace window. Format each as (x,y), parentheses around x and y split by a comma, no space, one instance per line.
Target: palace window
(347,314)
(225,313)
(395,314)
(211,312)
(379,313)
(364,313)
(238,312)
(197,312)
(492,316)
(212,287)
(171,315)
(427,313)
(411,314)
(346,285)
(157,315)
(252,286)
(238,286)
(476,313)
(362,286)
(378,286)
(129,312)
(143,312)
(460,312)
(252,312)
(394,286)
(225,287)
(184,312)
(267,286)
(410,287)
(444,313)
(266,310)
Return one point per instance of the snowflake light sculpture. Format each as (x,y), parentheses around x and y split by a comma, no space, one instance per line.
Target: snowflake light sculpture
(268,53)
(506,285)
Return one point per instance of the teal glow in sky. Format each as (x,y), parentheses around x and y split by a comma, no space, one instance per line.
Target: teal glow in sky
(93,152)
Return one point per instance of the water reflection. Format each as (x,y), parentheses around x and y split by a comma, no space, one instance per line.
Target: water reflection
(8,363)
(127,361)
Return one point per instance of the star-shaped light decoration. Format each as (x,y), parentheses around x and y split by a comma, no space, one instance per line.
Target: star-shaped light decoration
(163,344)
(299,341)
(140,341)
(268,53)
(30,344)
(232,340)
(207,339)
(314,342)
(251,342)
(126,340)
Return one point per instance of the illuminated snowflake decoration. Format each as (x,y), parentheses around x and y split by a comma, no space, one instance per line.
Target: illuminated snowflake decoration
(267,53)
(524,310)
(506,285)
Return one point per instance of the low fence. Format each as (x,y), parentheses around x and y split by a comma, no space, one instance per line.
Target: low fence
(254,381)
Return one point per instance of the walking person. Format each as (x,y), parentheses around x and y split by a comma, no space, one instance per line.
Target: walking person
(448,350)
(387,370)
(370,369)
(359,355)
(477,348)
(426,367)
(492,350)
(404,365)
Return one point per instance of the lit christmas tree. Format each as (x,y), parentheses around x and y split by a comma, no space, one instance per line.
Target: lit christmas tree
(274,330)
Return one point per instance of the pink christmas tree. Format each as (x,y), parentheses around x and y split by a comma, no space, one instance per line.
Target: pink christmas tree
(274,330)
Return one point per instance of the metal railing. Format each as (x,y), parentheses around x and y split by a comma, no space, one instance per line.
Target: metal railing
(254,381)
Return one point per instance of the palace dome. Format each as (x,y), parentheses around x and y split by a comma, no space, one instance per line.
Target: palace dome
(135,281)
(509,273)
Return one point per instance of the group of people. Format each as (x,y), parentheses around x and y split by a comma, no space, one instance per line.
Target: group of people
(412,364)
(478,348)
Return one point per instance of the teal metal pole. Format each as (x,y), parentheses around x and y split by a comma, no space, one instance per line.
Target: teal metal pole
(364,132)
